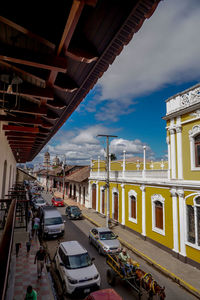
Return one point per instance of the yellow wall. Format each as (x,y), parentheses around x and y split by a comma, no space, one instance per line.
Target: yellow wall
(166,240)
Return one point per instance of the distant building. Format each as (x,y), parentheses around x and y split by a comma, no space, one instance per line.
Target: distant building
(56,161)
(46,160)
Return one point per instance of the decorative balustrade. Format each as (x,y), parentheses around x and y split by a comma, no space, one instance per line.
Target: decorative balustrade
(119,175)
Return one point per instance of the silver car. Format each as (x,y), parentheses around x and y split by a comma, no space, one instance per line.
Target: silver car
(104,240)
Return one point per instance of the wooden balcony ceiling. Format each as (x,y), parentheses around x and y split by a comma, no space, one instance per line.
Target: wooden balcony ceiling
(52,55)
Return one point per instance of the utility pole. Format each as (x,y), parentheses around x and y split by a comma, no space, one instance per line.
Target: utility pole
(107,180)
(64,161)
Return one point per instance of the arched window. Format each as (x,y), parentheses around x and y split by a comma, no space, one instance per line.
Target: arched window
(132,195)
(197,150)
(158,214)
(193,222)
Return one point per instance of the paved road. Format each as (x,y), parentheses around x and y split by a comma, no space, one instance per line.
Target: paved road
(79,229)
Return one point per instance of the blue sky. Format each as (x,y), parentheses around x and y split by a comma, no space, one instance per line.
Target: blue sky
(162,59)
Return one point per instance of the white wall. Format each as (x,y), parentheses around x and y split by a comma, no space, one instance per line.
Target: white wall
(6,154)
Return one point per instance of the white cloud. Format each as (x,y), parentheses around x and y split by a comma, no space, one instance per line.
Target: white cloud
(84,144)
(164,51)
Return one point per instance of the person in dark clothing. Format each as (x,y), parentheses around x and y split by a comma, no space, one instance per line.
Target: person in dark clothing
(17,246)
(28,247)
(40,257)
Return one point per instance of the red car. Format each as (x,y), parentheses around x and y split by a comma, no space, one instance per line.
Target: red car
(57,201)
(106,294)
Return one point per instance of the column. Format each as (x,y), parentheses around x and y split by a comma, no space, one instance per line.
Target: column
(179,151)
(169,157)
(143,211)
(123,204)
(97,195)
(144,162)
(90,195)
(173,153)
(182,222)
(175,220)
(124,163)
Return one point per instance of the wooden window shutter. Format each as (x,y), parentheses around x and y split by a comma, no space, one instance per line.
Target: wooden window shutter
(159,215)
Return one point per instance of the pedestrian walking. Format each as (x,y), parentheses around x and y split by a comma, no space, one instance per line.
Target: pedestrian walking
(17,246)
(40,257)
(28,247)
(31,294)
(36,225)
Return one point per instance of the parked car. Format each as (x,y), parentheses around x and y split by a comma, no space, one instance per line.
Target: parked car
(104,240)
(57,201)
(106,294)
(52,224)
(73,212)
(76,268)
(38,202)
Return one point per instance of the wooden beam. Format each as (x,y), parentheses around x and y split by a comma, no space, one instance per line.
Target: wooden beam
(30,121)
(32,111)
(38,60)
(21,139)
(65,83)
(21,72)
(56,104)
(74,15)
(20,128)
(15,142)
(29,91)
(24,134)
(27,32)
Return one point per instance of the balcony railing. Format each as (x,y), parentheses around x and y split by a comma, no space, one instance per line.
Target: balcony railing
(130,175)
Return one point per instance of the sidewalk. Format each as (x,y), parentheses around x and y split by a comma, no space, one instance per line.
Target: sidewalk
(26,274)
(184,274)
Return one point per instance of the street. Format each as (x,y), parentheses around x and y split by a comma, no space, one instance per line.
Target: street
(79,229)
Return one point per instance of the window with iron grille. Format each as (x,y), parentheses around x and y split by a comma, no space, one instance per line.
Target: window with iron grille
(193,222)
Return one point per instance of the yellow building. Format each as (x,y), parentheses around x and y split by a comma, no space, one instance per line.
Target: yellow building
(159,200)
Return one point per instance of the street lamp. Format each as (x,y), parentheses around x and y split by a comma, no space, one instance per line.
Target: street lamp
(107,180)
(64,161)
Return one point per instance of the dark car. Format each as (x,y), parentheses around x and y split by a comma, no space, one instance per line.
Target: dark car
(73,212)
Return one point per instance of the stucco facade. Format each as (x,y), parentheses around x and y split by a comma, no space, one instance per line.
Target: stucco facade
(159,200)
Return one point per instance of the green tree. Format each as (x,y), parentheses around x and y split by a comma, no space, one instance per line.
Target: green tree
(113,156)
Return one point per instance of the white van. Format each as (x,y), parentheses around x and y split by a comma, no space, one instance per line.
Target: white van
(76,268)
(52,224)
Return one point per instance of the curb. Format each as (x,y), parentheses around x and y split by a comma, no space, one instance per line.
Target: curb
(154,264)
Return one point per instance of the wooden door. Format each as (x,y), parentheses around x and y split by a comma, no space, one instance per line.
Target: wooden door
(116,206)
(159,214)
(103,201)
(94,196)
